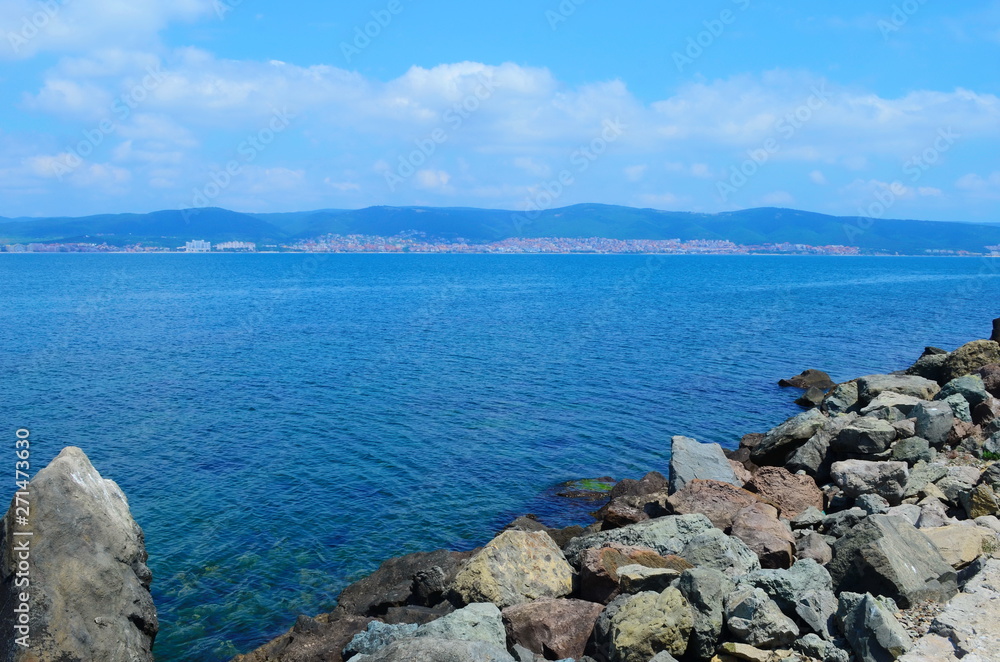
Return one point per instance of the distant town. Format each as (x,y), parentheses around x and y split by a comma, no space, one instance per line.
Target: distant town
(418,243)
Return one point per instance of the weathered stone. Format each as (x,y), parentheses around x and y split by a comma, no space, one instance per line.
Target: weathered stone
(841,399)
(930,365)
(476,622)
(934,422)
(912,450)
(714,549)
(871,628)
(933,514)
(809,379)
(396,583)
(888,556)
(872,386)
(788,436)
(991,379)
(904,403)
(755,619)
(628,502)
(515,567)
(961,545)
(599,579)
(872,504)
(705,590)
(790,493)
(813,546)
(376,636)
(813,457)
(959,409)
(817,648)
(665,535)
(921,475)
(758,526)
(786,587)
(716,500)
(930,648)
(980,502)
(818,610)
(649,623)
(857,477)
(839,523)
(813,397)
(906,429)
(970,619)
(955,489)
(970,358)
(89,583)
(640,579)
(970,387)
(866,436)
(809,518)
(909,512)
(691,460)
(555,629)
(320,638)
(430,649)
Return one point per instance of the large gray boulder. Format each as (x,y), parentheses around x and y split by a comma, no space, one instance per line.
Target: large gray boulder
(691,460)
(934,422)
(664,535)
(755,619)
(871,628)
(714,549)
(872,386)
(970,387)
(89,591)
(865,436)
(858,477)
(431,649)
(785,587)
(970,619)
(787,437)
(888,556)
(841,399)
(705,590)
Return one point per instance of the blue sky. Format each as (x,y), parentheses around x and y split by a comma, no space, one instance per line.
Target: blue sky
(877,107)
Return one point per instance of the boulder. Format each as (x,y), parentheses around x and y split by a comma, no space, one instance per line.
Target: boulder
(420,578)
(960,545)
(89,583)
(934,422)
(813,457)
(933,514)
(872,628)
(990,375)
(872,504)
(970,619)
(960,410)
(971,388)
(857,477)
(970,358)
(431,649)
(717,500)
(599,579)
(476,622)
(906,429)
(640,578)
(890,557)
(922,475)
(759,528)
(872,386)
(649,623)
(555,629)
(377,636)
(842,399)
(889,400)
(664,535)
(813,546)
(930,648)
(790,493)
(811,398)
(912,450)
(628,501)
(782,440)
(817,648)
(786,587)
(809,379)
(995,337)
(908,512)
(865,436)
(980,501)
(714,549)
(837,524)
(320,638)
(753,618)
(818,610)
(705,590)
(690,460)
(930,366)
(515,567)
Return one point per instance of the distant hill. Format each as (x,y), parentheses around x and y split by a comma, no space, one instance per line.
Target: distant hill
(750,226)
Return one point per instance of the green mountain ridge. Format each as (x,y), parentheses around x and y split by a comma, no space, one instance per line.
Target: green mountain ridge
(749,226)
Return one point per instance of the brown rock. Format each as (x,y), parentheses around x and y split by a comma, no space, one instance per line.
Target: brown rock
(599,578)
(629,505)
(742,473)
(991,378)
(621,512)
(759,528)
(996,330)
(716,500)
(962,431)
(813,546)
(394,585)
(986,412)
(319,639)
(970,358)
(555,629)
(752,440)
(790,493)
(809,379)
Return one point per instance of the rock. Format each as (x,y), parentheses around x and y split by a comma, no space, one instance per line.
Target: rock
(866,436)
(416,615)
(987,415)
(970,358)
(650,623)
(758,526)
(930,366)
(970,619)
(716,500)
(788,436)
(786,587)
(813,546)
(961,545)
(714,549)
(872,504)
(857,477)
(599,579)
(991,379)
(476,622)
(922,475)
(996,331)
(872,386)
(971,388)
(430,649)
(705,590)
(742,473)
(813,457)
(601,641)
(871,628)
(321,638)
(905,429)
(690,460)
(980,502)
(555,629)
(908,512)
(790,493)
(931,648)
(663,656)
(820,649)
(889,400)
(933,514)
(811,398)
(934,422)
(665,536)
(912,450)
(393,584)
(515,567)
(375,637)
(755,619)
(959,408)
(839,523)
(890,557)
(818,610)
(627,503)
(89,583)
(809,379)
(639,578)
(809,518)
(842,399)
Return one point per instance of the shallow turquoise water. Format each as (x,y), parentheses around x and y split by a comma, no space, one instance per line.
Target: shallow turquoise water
(281,423)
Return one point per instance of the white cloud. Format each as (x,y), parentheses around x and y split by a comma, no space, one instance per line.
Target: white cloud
(432,179)
(817,177)
(777,199)
(635,173)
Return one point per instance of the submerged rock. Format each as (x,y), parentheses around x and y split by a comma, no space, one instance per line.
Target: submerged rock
(809,379)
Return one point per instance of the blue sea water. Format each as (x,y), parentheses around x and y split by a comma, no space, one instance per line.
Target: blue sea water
(282,423)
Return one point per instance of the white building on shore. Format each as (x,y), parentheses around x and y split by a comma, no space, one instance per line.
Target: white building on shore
(241,246)
(197,246)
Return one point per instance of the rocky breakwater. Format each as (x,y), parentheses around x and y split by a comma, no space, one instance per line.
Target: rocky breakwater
(862,529)
(82,569)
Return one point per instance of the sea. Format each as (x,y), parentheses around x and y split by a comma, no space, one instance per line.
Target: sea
(282,423)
